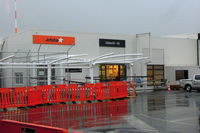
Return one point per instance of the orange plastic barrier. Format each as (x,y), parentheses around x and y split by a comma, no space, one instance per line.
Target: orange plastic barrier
(9,126)
(72,89)
(61,93)
(13,97)
(35,95)
(49,94)
(118,89)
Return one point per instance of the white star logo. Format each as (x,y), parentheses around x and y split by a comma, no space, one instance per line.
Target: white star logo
(60,40)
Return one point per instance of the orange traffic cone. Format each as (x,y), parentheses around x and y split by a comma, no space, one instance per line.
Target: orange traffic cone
(169,89)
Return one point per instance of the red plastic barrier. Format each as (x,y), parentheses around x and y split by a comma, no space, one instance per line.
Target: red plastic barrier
(89,85)
(72,89)
(13,97)
(21,97)
(61,93)
(9,126)
(101,91)
(118,89)
(88,92)
(48,94)
(34,95)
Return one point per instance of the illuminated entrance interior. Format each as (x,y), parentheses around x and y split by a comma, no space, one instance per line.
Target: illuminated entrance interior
(109,72)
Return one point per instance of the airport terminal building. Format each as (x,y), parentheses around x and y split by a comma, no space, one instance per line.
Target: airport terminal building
(38,57)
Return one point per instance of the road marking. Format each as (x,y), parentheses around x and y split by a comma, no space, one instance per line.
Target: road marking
(189,118)
(139,124)
(187,124)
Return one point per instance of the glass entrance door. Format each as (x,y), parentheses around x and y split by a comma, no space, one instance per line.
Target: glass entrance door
(112,72)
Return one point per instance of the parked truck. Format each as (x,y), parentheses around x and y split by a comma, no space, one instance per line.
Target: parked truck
(190,84)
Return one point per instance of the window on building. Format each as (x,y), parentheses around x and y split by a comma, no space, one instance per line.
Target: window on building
(19,77)
(181,74)
(42,75)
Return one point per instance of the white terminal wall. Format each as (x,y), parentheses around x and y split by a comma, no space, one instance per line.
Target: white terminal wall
(168,51)
(85,43)
(176,52)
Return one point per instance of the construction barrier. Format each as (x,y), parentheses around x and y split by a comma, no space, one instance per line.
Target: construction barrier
(169,88)
(9,126)
(13,97)
(131,85)
(34,95)
(73,116)
(47,94)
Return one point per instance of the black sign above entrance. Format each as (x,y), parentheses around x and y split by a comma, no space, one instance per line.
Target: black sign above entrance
(73,70)
(111,43)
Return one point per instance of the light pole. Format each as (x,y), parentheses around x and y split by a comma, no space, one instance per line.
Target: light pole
(38,60)
(68,76)
(39,51)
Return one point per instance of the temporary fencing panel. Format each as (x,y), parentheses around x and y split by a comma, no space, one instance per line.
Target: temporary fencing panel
(49,94)
(89,92)
(102,91)
(34,95)
(72,89)
(62,93)
(13,97)
(122,89)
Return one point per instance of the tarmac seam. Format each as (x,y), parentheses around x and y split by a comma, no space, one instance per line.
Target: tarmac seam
(190,118)
(166,120)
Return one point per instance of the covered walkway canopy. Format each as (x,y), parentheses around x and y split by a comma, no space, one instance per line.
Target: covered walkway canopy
(61,61)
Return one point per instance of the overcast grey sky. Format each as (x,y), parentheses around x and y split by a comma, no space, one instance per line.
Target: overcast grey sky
(160,17)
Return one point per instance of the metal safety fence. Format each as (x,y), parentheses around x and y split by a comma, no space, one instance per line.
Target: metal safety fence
(47,94)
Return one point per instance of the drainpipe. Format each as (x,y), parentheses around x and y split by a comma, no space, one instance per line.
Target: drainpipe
(198,39)
(150,47)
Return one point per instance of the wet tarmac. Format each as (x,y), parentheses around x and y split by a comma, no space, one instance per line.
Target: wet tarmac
(149,112)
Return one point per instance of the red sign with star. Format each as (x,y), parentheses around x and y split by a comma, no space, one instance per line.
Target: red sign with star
(57,40)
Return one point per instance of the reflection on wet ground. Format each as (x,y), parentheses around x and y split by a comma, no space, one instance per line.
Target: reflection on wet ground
(170,112)
(153,112)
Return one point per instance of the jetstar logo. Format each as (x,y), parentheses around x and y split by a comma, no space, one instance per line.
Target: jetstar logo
(51,40)
(54,40)
(57,40)
(60,40)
